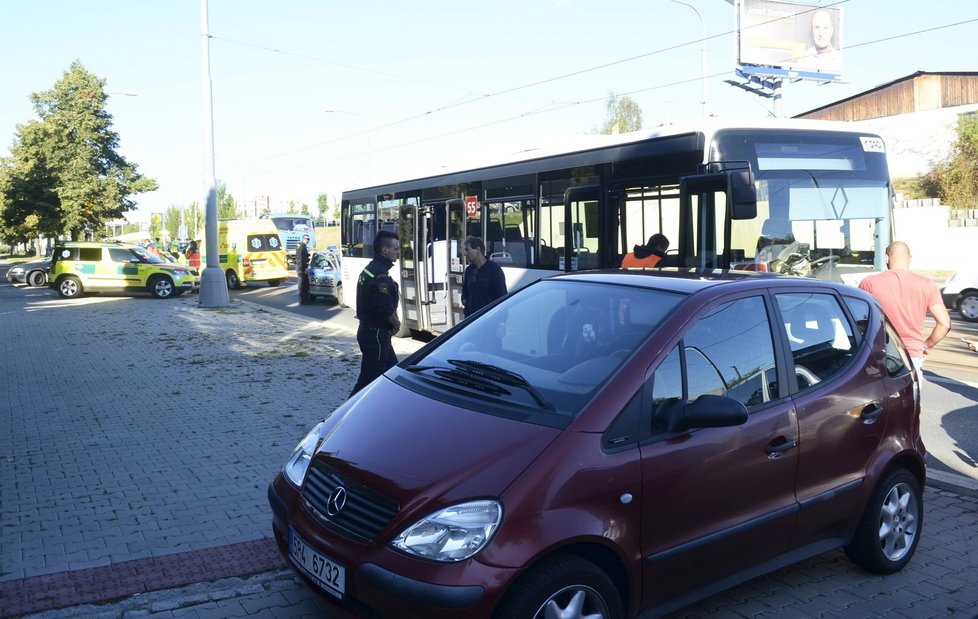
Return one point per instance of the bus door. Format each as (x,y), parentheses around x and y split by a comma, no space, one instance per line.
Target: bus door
(584,230)
(432,280)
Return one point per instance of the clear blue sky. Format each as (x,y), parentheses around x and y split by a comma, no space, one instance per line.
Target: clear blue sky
(415,85)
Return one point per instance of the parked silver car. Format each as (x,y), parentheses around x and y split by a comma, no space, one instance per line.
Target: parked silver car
(33,273)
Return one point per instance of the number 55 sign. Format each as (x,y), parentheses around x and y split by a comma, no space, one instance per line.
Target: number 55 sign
(471,206)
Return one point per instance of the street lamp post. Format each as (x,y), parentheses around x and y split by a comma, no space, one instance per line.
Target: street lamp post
(702,49)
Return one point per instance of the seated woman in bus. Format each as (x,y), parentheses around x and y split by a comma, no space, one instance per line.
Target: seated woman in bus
(647,255)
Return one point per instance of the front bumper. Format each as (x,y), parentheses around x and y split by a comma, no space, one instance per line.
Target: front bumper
(376,587)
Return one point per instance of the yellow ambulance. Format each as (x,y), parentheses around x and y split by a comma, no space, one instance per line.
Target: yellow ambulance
(250,250)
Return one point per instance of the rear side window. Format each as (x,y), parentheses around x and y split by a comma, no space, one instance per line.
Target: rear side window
(860,313)
(822,340)
(264,242)
(897,361)
(90,254)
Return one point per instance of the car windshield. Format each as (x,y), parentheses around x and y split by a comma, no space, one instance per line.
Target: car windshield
(542,353)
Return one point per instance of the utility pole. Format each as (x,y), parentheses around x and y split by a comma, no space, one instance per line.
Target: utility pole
(213,285)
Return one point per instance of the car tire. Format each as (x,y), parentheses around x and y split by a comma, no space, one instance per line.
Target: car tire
(70,287)
(968,306)
(274,282)
(232,277)
(37,279)
(563,586)
(891,525)
(161,287)
(339,296)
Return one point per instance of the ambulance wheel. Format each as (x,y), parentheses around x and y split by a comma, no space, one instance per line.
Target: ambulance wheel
(161,286)
(233,282)
(274,282)
(70,287)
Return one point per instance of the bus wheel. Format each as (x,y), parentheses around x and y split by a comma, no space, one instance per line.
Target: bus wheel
(233,282)
(274,282)
(161,287)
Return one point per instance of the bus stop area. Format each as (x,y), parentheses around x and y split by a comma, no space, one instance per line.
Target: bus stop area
(139,436)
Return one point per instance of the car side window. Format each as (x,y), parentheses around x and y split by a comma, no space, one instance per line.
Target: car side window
(728,352)
(90,254)
(120,254)
(897,361)
(860,313)
(822,340)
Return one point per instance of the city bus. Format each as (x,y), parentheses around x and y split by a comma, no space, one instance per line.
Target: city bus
(808,198)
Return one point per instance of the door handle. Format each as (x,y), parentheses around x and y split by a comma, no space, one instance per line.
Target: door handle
(776,451)
(871,412)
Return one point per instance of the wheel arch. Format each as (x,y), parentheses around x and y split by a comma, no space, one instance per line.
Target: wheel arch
(601,555)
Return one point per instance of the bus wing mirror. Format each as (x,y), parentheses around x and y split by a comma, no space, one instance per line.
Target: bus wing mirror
(742,194)
(737,184)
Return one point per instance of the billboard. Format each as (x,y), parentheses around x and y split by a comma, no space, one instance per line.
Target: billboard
(786,35)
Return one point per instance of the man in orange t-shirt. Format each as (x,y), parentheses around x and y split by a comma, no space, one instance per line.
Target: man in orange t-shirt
(906,298)
(647,255)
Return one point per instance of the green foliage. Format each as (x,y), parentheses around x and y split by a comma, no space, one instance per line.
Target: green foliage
(957,178)
(622,115)
(64,169)
(322,203)
(194,218)
(227,207)
(172,219)
(917,187)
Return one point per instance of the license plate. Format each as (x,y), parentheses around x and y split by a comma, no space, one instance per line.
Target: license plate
(329,574)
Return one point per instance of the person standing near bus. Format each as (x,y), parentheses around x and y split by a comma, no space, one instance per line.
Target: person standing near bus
(648,255)
(377,300)
(484,280)
(906,298)
(302,270)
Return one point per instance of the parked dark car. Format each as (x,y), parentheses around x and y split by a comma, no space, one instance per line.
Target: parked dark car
(34,273)
(600,444)
(325,278)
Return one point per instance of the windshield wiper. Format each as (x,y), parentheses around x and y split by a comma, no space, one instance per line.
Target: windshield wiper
(499,375)
(473,381)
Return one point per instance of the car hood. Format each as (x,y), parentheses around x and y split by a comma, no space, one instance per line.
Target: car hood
(415,449)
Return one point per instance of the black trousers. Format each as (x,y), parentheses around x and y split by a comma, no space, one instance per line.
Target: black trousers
(377,354)
(304,287)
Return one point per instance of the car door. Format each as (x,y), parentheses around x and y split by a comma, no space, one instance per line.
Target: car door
(840,402)
(718,500)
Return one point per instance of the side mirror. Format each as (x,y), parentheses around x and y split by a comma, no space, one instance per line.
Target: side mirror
(742,194)
(707,411)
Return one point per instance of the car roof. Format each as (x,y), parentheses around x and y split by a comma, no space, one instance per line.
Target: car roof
(690,281)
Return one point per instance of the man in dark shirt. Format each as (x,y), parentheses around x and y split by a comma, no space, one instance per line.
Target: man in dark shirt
(484,280)
(377,300)
(302,270)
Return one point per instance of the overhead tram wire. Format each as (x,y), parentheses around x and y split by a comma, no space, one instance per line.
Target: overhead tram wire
(562,105)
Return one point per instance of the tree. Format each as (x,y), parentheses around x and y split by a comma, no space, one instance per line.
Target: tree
(227,208)
(957,179)
(64,166)
(622,115)
(194,217)
(322,204)
(172,219)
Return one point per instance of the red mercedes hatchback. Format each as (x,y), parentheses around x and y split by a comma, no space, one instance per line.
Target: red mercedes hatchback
(607,443)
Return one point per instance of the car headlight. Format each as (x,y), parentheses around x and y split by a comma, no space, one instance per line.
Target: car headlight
(452,534)
(295,468)
(16,270)
(181,272)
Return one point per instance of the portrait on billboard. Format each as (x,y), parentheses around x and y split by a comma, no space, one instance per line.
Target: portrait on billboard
(787,35)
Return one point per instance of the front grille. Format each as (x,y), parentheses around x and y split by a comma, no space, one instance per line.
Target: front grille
(366,512)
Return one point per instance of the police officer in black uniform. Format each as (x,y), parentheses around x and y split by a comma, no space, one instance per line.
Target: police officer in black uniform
(377,298)
(302,270)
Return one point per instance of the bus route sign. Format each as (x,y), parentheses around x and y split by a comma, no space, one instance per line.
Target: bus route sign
(471,206)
